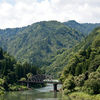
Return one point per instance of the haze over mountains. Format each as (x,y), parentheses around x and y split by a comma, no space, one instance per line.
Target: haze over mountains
(46,44)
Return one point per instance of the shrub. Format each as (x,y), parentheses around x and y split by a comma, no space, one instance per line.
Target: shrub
(92,86)
(69,84)
(23,79)
(66,91)
(79,80)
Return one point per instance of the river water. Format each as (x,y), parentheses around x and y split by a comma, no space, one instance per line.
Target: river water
(36,94)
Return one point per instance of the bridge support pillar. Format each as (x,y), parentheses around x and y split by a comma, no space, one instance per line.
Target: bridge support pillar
(54,87)
(22,83)
(28,85)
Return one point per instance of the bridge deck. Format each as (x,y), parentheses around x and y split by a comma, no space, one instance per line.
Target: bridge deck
(41,82)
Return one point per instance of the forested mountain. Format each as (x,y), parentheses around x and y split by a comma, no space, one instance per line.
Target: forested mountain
(39,42)
(61,59)
(11,71)
(88,48)
(83,68)
(82,27)
(46,44)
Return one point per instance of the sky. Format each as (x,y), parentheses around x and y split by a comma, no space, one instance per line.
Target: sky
(19,13)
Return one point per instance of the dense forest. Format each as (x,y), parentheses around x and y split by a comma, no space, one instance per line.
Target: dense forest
(53,47)
(11,71)
(85,28)
(83,68)
(60,60)
(38,43)
(45,44)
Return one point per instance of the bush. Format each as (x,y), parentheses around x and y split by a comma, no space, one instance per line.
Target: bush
(69,84)
(1,81)
(2,90)
(66,91)
(79,80)
(23,79)
(92,86)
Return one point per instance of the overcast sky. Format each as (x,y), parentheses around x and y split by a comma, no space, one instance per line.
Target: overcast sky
(18,13)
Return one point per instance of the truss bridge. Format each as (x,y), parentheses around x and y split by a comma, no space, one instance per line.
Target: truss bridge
(42,78)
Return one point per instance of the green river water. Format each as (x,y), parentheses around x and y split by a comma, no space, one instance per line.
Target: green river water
(36,94)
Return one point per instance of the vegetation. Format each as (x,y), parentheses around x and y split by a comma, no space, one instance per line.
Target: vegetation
(11,71)
(84,67)
(52,46)
(65,57)
(40,42)
(85,28)
(81,96)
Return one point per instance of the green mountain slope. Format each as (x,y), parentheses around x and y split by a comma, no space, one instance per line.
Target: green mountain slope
(88,50)
(82,27)
(11,71)
(38,42)
(60,61)
(82,73)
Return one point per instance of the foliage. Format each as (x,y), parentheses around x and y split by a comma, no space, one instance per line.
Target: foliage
(69,84)
(79,80)
(47,44)
(92,85)
(66,91)
(85,66)
(11,71)
(17,87)
(23,79)
(83,96)
(29,75)
(39,43)
(1,87)
(1,82)
(82,27)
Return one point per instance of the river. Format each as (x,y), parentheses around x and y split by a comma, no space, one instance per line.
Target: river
(35,94)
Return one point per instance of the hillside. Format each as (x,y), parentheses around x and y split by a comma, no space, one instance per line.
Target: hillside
(81,75)
(85,28)
(87,51)
(11,71)
(38,42)
(61,59)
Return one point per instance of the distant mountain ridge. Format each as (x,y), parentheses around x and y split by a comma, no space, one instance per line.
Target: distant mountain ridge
(46,44)
(39,41)
(82,27)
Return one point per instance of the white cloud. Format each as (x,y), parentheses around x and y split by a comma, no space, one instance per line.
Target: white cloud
(25,12)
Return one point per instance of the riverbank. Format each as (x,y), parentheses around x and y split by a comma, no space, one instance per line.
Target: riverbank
(18,87)
(80,96)
(13,88)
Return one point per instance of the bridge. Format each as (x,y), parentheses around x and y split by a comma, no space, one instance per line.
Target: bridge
(42,78)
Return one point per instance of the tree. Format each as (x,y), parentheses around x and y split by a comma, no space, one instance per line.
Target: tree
(1,53)
(88,52)
(1,82)
(94,64)
(29,75)
(92,85)
(18,70)
(96,43)
(79,80)
(12,77)
(23,79)
(69,83)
